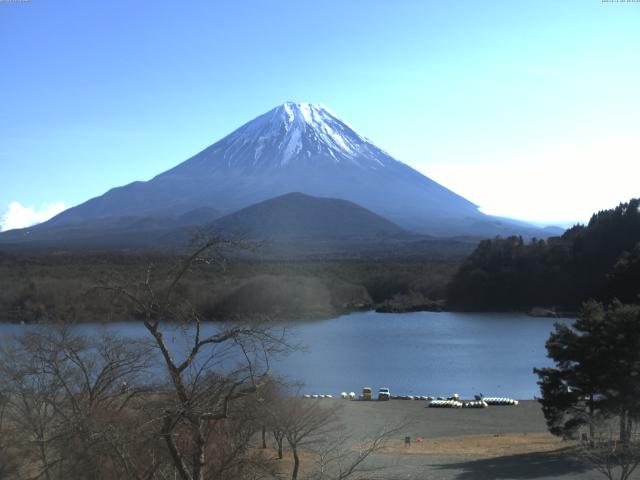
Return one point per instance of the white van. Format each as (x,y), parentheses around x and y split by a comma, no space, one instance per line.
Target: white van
(383,394)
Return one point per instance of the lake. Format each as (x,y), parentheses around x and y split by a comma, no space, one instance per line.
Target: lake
(422,353)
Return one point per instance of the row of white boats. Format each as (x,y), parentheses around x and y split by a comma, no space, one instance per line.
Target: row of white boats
(481,403)
(433,402)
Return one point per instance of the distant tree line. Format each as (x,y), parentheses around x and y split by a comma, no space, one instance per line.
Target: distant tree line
(598,261)
(46,288)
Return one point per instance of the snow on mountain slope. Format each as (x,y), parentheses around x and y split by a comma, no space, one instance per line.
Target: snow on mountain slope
(295,133)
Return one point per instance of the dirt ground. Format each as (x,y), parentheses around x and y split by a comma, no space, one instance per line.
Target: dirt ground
(508,442)
(479,446)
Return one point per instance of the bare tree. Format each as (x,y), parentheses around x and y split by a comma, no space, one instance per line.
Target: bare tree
(66,393)
(8,463)
(269,412)
(315,428)
(340,458)
(305,422)
(92,408)
(606,452)
(273,414)
(215,369)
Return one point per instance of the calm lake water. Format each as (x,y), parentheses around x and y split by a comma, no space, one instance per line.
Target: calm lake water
(423,353)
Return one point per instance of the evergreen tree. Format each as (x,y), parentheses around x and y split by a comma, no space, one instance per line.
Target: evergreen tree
(597,371)
(599,261)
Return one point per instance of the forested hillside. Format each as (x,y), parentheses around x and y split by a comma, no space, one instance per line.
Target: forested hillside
(70,287)
(598,261)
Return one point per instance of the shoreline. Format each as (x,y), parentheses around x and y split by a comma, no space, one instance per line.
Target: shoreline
(290,319)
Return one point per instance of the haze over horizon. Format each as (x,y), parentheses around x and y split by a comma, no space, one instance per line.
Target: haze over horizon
(529,111)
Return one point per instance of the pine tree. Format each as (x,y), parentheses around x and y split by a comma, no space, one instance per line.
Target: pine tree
(597,371)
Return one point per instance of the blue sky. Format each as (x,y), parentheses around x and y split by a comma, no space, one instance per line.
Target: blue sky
(529,109)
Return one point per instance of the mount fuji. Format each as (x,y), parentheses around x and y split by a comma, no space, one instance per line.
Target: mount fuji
(295,147)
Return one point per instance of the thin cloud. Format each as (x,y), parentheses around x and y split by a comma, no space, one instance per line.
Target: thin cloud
(19,216)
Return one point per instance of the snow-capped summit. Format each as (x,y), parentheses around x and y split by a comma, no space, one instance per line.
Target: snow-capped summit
(295,147)
(296,133)
(311,129)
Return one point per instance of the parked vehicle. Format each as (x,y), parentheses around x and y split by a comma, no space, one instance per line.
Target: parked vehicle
(366,393)
(384,394)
